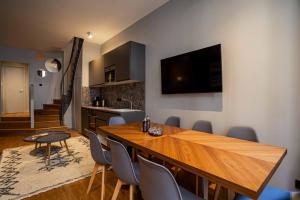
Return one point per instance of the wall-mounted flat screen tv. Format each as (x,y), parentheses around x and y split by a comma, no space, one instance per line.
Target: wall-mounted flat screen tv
(198,71)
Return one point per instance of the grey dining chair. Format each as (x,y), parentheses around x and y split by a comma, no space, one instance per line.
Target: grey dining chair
(243,133)
(202,126)
(269,192)
(126,171)
(101,158)
(157,183)
(119,120)
(116,120)
(173,121)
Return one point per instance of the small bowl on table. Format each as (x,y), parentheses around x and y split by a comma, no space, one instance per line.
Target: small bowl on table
(155,131)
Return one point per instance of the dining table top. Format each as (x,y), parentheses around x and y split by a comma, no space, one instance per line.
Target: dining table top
(242,166)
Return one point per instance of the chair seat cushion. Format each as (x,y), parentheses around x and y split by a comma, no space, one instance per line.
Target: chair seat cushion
(269,193)
(187,195)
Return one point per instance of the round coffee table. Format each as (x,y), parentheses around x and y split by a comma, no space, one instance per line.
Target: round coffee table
(48,138)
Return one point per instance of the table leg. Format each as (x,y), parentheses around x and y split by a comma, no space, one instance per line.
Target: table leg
(48,152)
(133,154)
(35,147)
(217,192)
(67,147)
(230,194)
(197,185)
(205,188)
(60,144)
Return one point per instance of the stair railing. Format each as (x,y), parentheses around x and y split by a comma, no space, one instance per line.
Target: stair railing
(67,81)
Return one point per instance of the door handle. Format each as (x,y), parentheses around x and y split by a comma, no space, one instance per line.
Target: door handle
(21,90)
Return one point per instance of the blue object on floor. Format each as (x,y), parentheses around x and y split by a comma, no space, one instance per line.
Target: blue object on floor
(269,193)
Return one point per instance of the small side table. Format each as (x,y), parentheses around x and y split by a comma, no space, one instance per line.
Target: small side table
(48,138)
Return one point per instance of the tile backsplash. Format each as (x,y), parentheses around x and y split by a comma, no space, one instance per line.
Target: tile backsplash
(88,94)
(131,91)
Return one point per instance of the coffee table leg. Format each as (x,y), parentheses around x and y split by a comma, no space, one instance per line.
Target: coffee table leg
(67,147)
(36,145)
(49,153)
(60,144)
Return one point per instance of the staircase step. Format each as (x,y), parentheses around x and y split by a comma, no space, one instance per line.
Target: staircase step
(40,118)
(46,124)
(14,124)
(46,112)
(15,118)
(52,106)
(57,101)
(30,130)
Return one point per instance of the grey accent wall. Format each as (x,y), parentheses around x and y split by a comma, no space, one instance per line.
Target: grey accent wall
(260,54)
(50,84)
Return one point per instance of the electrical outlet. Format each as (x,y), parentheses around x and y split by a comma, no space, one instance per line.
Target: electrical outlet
(297,184)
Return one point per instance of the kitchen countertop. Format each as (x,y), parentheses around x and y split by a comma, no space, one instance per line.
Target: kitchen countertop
(113,110)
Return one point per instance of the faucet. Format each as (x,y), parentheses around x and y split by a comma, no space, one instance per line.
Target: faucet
(126,100)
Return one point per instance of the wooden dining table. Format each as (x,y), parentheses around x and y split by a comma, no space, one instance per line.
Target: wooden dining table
(242,166)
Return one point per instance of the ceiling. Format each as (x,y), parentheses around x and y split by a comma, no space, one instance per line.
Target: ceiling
(49,24)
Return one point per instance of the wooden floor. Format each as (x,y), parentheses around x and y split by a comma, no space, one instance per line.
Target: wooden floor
(77,190)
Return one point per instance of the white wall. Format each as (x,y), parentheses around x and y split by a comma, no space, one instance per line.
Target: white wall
(260,54)
(90,52)
(50,84)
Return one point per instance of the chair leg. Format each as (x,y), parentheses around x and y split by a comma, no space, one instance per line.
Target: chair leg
(131,191)
(217,192)
(92,177)
(117,189)
(103,183)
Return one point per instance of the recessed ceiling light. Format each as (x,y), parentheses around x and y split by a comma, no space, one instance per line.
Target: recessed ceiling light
(90,35)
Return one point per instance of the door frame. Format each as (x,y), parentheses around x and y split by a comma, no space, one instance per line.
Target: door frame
(26,83)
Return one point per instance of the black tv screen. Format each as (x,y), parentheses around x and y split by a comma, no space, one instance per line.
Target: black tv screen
(198,71)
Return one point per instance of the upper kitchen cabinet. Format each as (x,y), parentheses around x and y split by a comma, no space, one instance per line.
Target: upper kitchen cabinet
(128,61)
(96,72)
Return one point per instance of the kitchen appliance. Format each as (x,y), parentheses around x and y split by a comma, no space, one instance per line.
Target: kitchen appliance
(198,71)
(97,101)
(110,74)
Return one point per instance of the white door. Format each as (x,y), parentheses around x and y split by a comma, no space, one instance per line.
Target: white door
(14,93)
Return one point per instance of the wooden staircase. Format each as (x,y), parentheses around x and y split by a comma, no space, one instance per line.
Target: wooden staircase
(45,119)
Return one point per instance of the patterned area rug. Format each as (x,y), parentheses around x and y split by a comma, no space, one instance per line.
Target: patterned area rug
(24,173)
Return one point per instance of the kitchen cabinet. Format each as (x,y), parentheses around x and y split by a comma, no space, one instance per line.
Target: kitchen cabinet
(93,117)
(84,119)
(129,61)
(96,72)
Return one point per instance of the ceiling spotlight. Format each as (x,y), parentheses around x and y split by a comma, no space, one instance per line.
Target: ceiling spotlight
(90,35)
